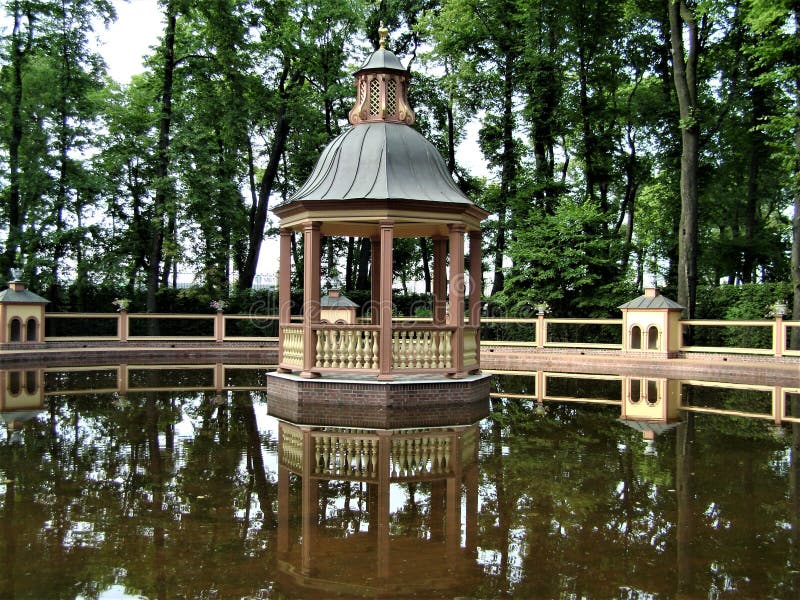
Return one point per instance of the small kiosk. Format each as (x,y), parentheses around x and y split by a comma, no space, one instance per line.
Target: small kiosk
(21,316)
(651,324)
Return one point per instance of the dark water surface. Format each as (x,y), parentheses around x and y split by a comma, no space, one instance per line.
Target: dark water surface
(179,484)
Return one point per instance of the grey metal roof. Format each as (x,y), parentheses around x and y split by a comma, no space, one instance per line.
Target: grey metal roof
(380,161)
(383,59)
(9,296)
(653,302)
(337,302)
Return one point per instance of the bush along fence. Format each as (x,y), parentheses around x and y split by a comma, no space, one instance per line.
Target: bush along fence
(650,326)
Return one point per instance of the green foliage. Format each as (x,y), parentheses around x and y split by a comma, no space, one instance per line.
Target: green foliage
(573,105)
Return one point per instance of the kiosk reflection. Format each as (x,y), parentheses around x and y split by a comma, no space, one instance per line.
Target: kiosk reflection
(21,399)
(377,512)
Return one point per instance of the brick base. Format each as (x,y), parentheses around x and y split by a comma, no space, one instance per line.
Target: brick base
(376,404)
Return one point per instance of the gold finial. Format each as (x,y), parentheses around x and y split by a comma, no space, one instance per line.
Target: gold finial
(382,33)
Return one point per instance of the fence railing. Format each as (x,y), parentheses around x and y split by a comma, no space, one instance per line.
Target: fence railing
(757,337)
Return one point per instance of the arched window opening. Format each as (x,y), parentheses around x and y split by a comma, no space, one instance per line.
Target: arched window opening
(15,330)
(636,390)
(652,338)
(31,382)
(14,383)
(30,330)
(636,338)
(652,391)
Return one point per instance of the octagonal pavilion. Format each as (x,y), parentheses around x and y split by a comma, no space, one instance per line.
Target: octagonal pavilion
(382,179)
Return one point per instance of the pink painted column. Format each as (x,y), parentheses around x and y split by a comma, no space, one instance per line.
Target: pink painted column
(375,283)
(284,290)
(439,280)
(309,504)
(475,278)
(456,317)
(385,306)
(311,292)
(283,509)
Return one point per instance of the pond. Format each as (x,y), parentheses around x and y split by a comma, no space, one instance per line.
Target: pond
(175,482)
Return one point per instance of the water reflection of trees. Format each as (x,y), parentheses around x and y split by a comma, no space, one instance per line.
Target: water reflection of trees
(172,495)
(102,491)
(572,506)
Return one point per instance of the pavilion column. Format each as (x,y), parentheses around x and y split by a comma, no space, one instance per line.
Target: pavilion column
(439,280)
(283,509)
(309,504)
(385,302)
(375,280)
(453,502)
(311,293)
(456,317)
(384,505)
(475,289)
(475,278)
(284,291)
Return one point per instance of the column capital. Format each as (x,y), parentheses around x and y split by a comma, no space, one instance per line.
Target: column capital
(286,231)
(456,227)
(386,223)
(311,225)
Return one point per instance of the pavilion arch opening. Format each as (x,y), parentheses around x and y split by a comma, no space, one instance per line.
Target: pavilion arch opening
(636,338)
(636,390)
(14,383)
(653,336)
(15,330)
(652,391)
(31,382)
(31,331)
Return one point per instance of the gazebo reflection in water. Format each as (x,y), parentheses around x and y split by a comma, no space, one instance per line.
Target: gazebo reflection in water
(339,528)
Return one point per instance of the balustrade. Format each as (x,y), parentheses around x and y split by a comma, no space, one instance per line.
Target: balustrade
(293,346)
(413,457)
(291,448)
(421,348)
(343,453)
(347,347)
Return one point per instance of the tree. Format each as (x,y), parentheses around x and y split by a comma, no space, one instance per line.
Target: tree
(778,53)
(683,24)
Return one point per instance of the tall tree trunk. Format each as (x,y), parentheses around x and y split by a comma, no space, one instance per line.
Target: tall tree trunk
(350,263)
(795,340)
(162,165)
(426,264)
(750,255)
(364,250)
(64,83)
(684,69)
(14,240)
(258,217)
(508,173)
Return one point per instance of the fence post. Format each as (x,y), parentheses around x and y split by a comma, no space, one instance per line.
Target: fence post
(540,331)
(219,326)
(778,337)
(122,326)
(778,404)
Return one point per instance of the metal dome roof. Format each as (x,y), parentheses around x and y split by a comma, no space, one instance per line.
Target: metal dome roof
(383,59)
(380,161)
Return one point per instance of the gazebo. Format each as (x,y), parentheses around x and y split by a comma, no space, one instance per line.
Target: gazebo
(383,180)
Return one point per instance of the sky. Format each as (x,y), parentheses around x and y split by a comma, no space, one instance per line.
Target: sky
(129,38)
